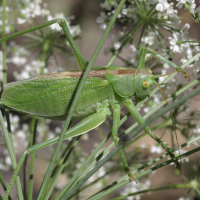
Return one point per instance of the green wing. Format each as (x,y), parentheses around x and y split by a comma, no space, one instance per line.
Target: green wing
(50,95)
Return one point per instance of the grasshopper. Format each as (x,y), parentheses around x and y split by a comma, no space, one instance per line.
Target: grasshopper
(105,88)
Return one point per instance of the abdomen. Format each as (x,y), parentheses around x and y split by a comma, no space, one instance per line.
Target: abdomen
(50,96)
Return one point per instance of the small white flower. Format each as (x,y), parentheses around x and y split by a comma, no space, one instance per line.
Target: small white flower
(102,171)
(21,20)
(102,20)
(173,42)
(180,3)
(196,130)
(149,39)
(50,135)
(55,26)
(8,160)
(124,11)
(197,12)
(75,30)
(147,109)
(58,130)
(25,75)
(85,136)
(156,149)
(189,53)
(176,20)
(21,134)
(19,60)
(133,48)
(185,29)
(61,182)
(160,7)
(14,119)
(117,45)
(3,167)
(25,127)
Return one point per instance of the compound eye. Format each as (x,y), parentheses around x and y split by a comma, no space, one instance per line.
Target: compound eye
(149,70)
(145,84)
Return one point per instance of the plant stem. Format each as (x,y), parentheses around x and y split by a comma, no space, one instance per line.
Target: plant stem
(4,185)
(61,164)
(8,135)
(32,142)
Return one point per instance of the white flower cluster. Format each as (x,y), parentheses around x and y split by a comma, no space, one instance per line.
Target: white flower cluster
(18,54)
(103,20)
(165,6)
(34,9)
(30,70)
(191,3)
(105,17)
(31,9)
(180,42)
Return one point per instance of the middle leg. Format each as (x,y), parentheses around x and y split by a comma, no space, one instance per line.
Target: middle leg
(116,120)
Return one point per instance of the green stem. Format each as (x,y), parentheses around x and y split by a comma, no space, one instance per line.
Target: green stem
(24,177)
(32,142)
(29,30)
(43,58)
(9,128)
(4,43)
(12,156)
(167,122)
(8,136)
(15,173)
(188,8)
(61,165)
(181,42)
(4,185)
(172,186)
(81,169)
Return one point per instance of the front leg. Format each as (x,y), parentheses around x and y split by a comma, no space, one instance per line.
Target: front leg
(116,119)
(129,104)
(155,54)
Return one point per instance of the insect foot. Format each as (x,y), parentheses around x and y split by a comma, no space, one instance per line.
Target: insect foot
(132,177)
(185,73)
(179,166)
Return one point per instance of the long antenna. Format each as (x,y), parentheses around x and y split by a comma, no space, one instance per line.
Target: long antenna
(186,74)
(181,168)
